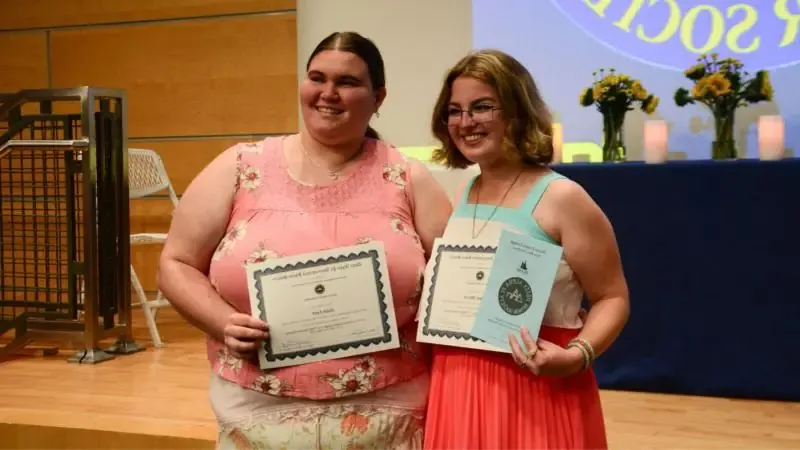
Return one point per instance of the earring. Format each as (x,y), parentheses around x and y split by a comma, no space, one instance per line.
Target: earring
(378,114)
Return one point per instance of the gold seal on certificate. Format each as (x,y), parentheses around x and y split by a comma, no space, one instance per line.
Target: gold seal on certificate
(325,305)
(455,281)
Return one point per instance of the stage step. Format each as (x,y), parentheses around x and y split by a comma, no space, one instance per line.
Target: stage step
(17,436)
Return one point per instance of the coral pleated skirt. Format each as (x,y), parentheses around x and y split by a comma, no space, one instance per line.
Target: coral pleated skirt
(483,400)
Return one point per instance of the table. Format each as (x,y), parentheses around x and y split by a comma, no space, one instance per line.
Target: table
(711,252)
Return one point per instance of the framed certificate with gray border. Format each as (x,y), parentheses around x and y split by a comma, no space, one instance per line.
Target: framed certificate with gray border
(325,305)
(455,281)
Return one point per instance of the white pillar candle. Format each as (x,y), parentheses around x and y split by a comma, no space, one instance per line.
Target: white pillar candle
(558,143)
(656,141)
(771,143)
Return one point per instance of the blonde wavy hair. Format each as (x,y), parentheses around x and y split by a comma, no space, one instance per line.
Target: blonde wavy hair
(529,133)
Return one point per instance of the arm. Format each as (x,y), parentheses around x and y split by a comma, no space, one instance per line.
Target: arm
(198,224)
(432,207)
(590,248)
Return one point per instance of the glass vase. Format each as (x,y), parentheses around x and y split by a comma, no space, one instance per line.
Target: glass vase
(613,141)
(724,145)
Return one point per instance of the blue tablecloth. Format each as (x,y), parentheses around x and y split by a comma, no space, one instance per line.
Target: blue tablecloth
(711,251)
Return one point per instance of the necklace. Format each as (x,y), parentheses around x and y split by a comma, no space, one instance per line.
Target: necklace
(478,201)
(332,173)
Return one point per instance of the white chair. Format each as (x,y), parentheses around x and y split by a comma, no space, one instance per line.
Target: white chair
(147,176)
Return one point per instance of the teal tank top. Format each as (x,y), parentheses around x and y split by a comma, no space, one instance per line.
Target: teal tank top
(520,218)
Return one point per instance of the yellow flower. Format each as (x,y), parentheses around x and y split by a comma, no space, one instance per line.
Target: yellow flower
(610,80)
(650,104)
(695,72)
(638,91)
(700,89)
(614,90)
(766,87)
(587,97)
(719,84)
(597,91)
(711,86)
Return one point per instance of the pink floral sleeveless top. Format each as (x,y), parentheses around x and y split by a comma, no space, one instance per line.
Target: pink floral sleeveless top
(274,216)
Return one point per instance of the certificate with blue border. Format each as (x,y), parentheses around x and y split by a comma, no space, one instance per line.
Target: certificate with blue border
(326,305)
(455,282)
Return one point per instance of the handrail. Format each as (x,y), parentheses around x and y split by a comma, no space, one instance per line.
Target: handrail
(46,143)
(6,148)
(85,94)
(10,103)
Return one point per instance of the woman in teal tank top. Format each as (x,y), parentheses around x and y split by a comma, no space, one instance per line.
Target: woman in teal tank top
(545,394)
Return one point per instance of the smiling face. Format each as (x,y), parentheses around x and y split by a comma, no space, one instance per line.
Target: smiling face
(510,122)
(337,97)
(479,135)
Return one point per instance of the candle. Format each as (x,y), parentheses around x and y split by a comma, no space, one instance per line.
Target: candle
(558,143)
(771,144)
(656,141)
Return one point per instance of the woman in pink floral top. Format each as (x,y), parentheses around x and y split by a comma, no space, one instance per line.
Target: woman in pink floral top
(334,184)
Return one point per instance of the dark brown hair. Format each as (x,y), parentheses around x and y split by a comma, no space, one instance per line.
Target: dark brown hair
(529,135)
(352,42)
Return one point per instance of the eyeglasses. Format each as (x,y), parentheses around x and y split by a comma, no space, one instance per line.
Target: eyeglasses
(478,113)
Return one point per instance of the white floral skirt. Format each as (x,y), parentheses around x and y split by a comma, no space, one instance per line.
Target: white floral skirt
(391,418)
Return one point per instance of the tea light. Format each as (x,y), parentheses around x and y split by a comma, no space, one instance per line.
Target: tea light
(558,143)
(771,144)
(656,141)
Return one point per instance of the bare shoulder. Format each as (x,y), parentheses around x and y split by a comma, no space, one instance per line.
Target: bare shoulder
(423,183)
(563,188)
(567,206)
(418,170)
(419,174)
(569,199)
(431,205)
(202,214)
(221,171)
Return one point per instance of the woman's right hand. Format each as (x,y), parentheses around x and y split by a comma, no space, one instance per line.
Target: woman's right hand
(244,334)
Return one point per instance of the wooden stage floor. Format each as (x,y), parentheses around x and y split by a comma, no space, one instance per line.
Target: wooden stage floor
(160,396)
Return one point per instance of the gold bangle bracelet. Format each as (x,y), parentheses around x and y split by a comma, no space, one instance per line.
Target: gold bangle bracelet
(586,346)
(587,361)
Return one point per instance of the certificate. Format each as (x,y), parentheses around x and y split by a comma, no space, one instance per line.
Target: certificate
(518,288)
(324,305)
(455,281)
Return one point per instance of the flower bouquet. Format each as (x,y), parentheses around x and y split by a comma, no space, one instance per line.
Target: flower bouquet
(614,95)
(723,86)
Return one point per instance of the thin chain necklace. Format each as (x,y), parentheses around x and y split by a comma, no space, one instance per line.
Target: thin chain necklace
(332,173)
(478,201)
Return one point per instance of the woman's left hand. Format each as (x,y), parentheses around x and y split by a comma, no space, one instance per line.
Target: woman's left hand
(544,357)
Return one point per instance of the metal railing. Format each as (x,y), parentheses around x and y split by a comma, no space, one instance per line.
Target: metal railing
(64,220)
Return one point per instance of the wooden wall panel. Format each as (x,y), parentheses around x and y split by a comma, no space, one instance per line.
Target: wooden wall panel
(57,13)
(203,77)
(23,61)
(200,75)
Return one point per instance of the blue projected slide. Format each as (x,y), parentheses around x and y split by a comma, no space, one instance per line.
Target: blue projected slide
(563,41)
